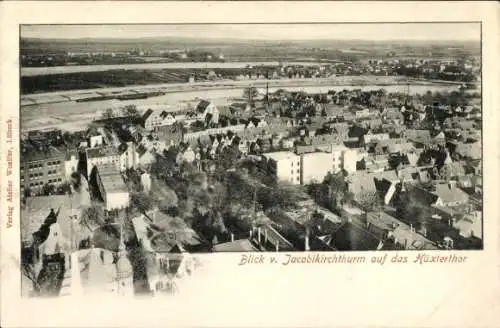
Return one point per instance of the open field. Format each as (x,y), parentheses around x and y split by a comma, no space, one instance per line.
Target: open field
(72,95)
(34,71)
(78,115)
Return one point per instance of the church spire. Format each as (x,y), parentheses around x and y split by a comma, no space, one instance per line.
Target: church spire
(124,270)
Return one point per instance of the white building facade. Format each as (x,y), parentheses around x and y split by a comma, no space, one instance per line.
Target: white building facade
(285,166)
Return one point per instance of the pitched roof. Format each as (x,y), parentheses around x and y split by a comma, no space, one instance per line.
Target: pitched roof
(352,237)
(147,114)
(418,135)
(111,179)
(37,209)
(450,194)
(242,245)
(363,182)
(202,105)
(470,150)
(401,231)
(30,152)
(101,152)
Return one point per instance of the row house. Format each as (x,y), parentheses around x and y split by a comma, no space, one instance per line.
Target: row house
(152,119)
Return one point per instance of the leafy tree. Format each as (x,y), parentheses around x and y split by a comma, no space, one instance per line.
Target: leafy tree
(332,192)
(337,186)
(412,208)
(228,157)
(280,196)
(219,198)
(142,201)
(76,180)
(108,113)
(173,211)
(93,215)
(131,110)
(64,189)
(48,189)
(369,201)
(197,126)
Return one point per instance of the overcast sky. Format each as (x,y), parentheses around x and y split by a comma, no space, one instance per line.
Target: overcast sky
(425,31)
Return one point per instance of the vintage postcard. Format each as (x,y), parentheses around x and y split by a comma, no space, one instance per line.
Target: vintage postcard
(219,164)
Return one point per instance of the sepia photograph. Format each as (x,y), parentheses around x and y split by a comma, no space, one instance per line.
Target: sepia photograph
(144,145)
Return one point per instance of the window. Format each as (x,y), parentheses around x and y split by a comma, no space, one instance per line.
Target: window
(59,180)
(298,171)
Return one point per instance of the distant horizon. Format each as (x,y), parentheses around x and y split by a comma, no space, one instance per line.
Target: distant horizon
(214,39)
(374,32)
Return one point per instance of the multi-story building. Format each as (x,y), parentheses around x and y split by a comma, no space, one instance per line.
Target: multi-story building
(128,156)
(41,165)
(310,167)
(315,166)
(285,165)
(102,156)
(342,158)
(206,108)
(112,188)
(153,119)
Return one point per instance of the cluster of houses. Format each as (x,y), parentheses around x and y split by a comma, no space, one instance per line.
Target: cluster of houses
(384,152)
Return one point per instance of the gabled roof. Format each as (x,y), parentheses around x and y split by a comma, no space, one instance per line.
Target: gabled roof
(147,114)
(202,105)
(164,114)
(101,152)
(450,194)
(351,237)
(401,231)
(242,245)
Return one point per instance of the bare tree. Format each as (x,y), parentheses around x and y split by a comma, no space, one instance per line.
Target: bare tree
(28,270)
